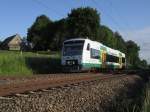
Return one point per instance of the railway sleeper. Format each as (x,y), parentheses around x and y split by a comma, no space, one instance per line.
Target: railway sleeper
(21,95)
(5,98)
(45,90)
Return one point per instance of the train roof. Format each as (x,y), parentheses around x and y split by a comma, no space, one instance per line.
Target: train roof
(75,39)
(114,52)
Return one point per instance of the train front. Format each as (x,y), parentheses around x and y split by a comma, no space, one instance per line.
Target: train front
(72,51)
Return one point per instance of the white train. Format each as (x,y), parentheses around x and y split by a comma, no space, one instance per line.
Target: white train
(84,54)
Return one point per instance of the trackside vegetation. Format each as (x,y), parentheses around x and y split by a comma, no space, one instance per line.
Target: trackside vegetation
(146,105)
(28,63)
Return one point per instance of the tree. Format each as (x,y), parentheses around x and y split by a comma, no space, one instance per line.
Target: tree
(59,34)
(133,53)
(83,22)
(0,44)
(143,64)
(120,43)
(106,36)
(39,33)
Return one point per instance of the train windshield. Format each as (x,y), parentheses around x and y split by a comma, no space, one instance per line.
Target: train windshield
(73,48)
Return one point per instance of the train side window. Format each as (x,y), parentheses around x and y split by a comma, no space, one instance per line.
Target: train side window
(123,60)
(95,54)
(88,46)
(111,58)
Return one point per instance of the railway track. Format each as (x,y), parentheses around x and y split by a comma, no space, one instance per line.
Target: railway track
(24,86)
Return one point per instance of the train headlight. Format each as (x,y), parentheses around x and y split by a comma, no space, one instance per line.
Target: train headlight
(73,62)
(68,62)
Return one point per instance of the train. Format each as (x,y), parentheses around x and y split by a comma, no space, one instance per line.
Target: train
(80,54)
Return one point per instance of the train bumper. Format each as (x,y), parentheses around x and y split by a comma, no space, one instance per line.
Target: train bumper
(76,68)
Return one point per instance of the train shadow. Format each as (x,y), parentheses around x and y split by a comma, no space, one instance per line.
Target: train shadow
(43,65)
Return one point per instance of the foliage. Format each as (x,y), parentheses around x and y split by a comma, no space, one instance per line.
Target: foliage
(106,36)
(38,34)
(143,64)
(59,34)
(28,63)
(120,43)
(146,105)
(83,22)
(132,53)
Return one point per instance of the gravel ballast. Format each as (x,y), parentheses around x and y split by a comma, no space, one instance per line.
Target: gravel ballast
(99,96)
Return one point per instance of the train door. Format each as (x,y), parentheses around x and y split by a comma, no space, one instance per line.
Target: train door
(103,58)
(120,62)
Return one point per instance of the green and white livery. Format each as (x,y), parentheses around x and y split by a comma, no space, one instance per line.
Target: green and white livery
(85,54)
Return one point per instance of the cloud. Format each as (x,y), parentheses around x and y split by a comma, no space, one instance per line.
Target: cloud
(142,38)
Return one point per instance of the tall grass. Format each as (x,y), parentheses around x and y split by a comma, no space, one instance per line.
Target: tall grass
(146,106)
(26,63)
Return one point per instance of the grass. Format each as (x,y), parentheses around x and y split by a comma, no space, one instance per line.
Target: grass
(133,98)
(146,106)
(28,63)
(143,99)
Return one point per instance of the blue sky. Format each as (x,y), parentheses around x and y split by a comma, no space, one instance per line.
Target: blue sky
(130,17)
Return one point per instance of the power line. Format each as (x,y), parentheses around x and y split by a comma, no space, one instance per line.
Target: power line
(47,7)
(115,10)
(112,18)
(94,1)
(125,24)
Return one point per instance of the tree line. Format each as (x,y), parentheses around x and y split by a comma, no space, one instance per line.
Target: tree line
(46,34)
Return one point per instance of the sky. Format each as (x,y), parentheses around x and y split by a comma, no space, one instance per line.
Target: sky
(131,18)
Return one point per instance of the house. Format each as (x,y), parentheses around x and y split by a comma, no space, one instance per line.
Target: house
(12,43)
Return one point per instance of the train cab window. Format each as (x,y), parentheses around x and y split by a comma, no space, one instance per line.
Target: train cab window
(88,46)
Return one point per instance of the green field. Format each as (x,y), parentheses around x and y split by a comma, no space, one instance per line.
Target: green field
(28,63)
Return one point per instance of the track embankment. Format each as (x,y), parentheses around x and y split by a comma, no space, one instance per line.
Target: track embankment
(92,96)
(15,85)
